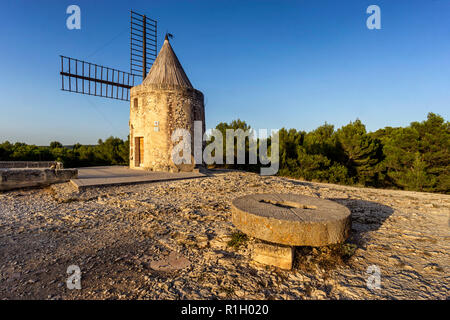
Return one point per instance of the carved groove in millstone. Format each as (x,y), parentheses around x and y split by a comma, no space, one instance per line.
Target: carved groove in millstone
(292,219)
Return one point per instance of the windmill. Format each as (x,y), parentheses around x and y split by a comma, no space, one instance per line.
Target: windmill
(165,98)
(84,77)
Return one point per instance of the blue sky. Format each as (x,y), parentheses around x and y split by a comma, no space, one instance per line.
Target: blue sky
(293,64)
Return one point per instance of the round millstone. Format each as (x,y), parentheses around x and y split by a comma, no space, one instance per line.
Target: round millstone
(291,219)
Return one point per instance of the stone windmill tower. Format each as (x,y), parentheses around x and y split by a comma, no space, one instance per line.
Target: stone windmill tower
(164,102)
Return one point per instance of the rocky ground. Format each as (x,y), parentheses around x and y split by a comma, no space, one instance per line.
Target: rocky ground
(172,241)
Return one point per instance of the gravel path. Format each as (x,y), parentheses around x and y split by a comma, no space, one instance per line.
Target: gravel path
(170,241)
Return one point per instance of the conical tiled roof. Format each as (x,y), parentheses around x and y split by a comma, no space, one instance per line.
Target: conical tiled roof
(166,69)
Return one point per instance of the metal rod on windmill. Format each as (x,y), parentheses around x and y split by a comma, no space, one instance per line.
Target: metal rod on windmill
(144,54)
(78,75)
(143,38)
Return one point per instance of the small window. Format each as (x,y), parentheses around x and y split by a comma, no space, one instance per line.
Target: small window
(135,103)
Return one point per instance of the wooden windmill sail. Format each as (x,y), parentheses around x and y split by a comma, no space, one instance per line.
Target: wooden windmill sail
(89,78)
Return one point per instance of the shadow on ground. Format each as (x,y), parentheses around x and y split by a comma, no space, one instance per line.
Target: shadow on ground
(367,216)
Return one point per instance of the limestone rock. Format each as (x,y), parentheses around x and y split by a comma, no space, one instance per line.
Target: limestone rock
(173,262)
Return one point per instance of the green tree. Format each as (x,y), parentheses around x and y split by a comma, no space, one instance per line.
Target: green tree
(6,149)
(112,151)
(361,154)
(55,144)
(417,177)
(235,125)
(422,146)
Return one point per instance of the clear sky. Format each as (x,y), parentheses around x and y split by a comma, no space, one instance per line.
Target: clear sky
(285,63)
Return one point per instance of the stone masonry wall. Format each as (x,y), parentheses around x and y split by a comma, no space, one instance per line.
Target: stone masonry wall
(34,177)
(31,164)
(173,107)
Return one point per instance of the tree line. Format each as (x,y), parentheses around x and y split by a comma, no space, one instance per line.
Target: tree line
(416,157)
(112,151)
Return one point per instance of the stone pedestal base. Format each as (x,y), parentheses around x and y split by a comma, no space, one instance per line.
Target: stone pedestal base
(273,254)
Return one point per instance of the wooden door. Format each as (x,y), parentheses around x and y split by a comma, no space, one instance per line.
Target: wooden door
(141,151)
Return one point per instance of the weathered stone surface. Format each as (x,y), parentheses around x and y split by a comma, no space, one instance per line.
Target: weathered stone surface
(117,230)
(172,108)
(273,254)
(186,167)
(21,178)
(173,262)
(291,219)
(31,164)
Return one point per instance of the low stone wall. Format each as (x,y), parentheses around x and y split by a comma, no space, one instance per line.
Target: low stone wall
(25,177)
(31,164)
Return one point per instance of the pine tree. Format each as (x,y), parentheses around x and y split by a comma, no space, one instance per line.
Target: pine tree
(419,150)
(361,153)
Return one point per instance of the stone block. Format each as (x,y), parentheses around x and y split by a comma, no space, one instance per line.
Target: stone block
(36,177)
(273,254)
